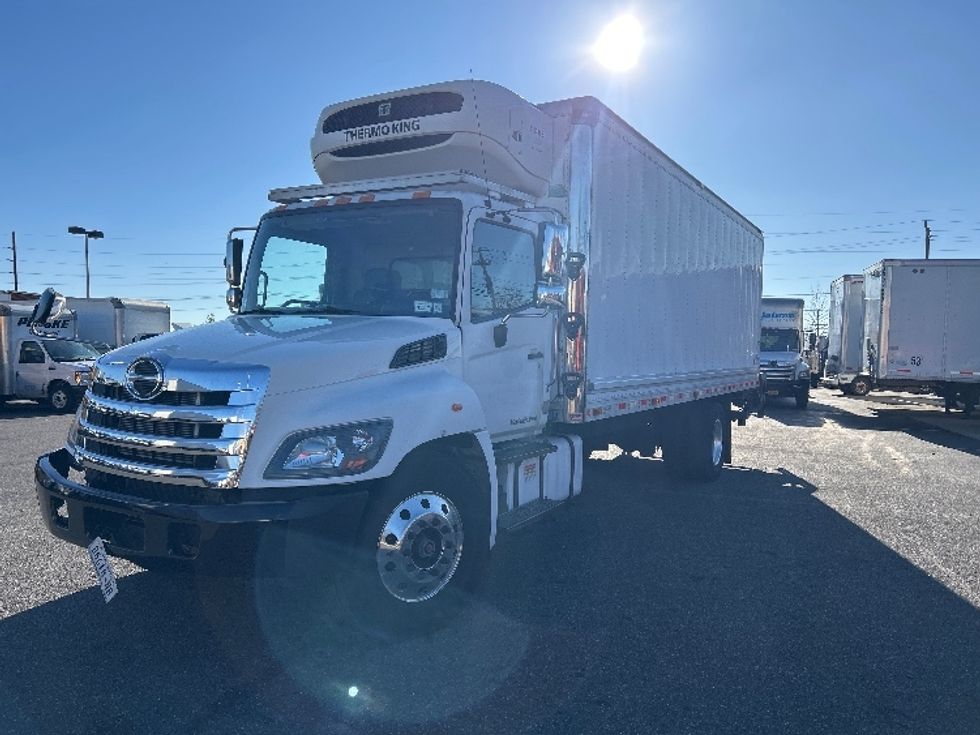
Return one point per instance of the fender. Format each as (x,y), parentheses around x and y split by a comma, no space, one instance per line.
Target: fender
(424,403)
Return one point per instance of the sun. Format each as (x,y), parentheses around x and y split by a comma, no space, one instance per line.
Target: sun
(620,43)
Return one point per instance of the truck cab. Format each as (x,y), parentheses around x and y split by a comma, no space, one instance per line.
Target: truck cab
(781,350)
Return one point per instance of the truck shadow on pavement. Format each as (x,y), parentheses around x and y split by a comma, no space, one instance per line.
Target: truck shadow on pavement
(645,605)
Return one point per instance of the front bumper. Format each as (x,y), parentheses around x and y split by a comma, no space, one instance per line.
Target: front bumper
(786,387)
(135,527)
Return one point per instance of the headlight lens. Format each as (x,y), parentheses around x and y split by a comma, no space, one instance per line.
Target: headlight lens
(334,451)
(81,377)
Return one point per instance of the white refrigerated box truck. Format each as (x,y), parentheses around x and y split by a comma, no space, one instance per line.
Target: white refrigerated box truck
(116,321)
(922,327)
(781,347)
(425,345)
(846,367)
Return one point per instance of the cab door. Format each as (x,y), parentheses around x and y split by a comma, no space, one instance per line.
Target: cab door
(32,369)
(510,366)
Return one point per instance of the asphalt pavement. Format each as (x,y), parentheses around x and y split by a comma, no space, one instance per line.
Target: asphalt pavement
(828,582)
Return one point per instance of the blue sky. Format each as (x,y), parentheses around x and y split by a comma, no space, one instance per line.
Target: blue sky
(836,126)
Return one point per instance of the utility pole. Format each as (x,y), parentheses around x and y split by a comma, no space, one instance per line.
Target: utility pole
(13,249)
(925,223)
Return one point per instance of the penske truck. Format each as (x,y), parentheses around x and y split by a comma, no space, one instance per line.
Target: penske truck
(921,327)
(423,349)
(786,370)
(42,364)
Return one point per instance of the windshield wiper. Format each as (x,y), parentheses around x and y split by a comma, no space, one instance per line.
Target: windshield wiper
(322,309)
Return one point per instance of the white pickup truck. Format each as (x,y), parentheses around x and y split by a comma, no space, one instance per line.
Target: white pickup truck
(426,345)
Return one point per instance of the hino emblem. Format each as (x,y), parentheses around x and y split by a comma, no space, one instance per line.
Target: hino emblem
(144,379)
(384,109)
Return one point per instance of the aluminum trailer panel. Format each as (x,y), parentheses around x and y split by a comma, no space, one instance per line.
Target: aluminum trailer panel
(845,332)
(922,320)
(674,274)
(116,321)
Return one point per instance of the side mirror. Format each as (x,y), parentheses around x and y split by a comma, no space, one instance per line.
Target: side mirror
(555,237)
(233,297)
(233,261)
(44,306)
(550,295)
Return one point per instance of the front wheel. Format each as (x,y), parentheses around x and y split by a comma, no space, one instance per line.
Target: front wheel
(422,545)
(803,399)
(60,397)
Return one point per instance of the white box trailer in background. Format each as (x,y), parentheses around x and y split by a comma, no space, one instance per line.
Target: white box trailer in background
(846,367)
(922,327)
(117,322)
(503,291)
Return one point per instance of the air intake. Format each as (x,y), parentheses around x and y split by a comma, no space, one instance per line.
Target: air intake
(423,350)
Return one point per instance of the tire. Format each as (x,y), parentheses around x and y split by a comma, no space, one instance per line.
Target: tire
(423,543)
(803,400)
(60,397)
(697,448)
(860,386)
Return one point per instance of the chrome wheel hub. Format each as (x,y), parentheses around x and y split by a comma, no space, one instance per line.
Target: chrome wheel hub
(717,442)
(419,547)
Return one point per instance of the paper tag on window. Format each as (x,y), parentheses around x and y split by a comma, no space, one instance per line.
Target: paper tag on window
(436,307)
(104,573)
(423,307)
(439,293)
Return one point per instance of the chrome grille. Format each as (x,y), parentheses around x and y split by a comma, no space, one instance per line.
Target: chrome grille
(779,374)
(194,433)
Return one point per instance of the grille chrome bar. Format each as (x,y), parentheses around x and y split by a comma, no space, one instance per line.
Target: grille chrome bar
(227,446)
(215,414)
(218,478)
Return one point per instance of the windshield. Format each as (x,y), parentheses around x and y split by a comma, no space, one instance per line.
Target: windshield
(384,258)
(780,340)
(66,350)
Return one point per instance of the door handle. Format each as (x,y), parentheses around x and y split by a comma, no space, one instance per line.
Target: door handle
(52,367)
(535,355)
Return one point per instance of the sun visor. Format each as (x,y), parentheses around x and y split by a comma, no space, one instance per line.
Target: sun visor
(476,127)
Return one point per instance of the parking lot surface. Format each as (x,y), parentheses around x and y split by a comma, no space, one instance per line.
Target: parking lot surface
(828,582)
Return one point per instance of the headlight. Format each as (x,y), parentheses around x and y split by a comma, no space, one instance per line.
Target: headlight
(81,377)
(331,452)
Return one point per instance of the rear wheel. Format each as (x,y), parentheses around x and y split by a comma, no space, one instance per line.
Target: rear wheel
(860,386)
(422,545)
(697,448)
